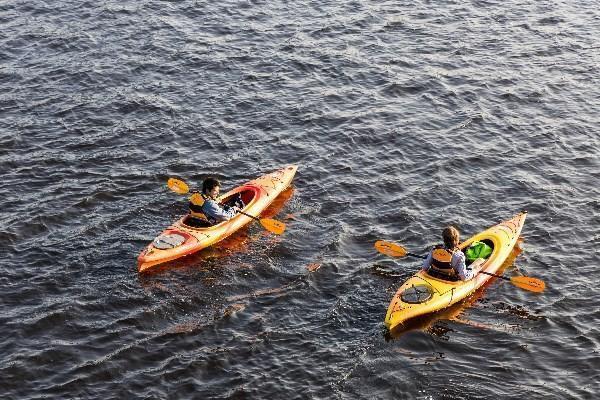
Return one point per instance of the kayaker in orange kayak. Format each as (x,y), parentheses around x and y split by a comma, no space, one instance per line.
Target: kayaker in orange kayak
(211,210)
(447,261)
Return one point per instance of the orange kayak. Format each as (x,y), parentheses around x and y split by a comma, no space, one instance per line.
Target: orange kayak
(181,238)
(422,293)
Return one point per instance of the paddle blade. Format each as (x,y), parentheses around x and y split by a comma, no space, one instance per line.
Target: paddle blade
(528,283)
(197,199)
(273,226)
(178,186)
(390,249)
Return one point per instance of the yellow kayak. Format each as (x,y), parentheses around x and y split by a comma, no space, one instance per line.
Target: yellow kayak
(183,238)
(422,293)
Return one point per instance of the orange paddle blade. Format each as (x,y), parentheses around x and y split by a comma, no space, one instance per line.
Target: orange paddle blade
(528,283)
(197,199)
(390,249)
(178,186)
(273,226)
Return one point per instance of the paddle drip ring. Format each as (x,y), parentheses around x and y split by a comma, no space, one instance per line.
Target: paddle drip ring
(164,242)
(416,294)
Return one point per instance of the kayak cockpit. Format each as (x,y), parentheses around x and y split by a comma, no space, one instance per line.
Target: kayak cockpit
(470,259)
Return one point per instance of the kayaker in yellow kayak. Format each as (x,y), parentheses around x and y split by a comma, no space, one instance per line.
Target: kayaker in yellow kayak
(211,210)
(447,261)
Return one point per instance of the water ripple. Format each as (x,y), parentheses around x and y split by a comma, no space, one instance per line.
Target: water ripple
(403,119)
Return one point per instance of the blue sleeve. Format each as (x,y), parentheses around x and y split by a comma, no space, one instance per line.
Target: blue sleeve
(214,210)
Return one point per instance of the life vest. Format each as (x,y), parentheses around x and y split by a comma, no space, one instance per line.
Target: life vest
(196,206)
(441,264)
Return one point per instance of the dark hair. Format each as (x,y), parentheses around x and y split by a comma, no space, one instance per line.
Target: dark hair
(451,237)
(209,184)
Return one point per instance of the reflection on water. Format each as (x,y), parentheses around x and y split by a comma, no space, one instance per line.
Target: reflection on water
(518,311)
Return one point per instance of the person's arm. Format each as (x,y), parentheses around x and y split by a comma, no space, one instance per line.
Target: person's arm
(427,262)
(214,210)
(458,260)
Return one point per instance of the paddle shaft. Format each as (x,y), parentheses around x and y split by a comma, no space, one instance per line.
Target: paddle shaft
(271,225)
(496,275)
(416,255)
(248,215)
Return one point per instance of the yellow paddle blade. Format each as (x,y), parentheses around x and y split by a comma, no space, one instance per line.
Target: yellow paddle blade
(197,199)
(528,283)
(273,226)
(390,249)
(178,186)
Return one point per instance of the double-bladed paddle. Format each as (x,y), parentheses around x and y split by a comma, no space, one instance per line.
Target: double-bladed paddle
(523,282)
(180,187)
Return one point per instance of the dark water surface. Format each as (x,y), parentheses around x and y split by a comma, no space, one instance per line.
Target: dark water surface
(403,117)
